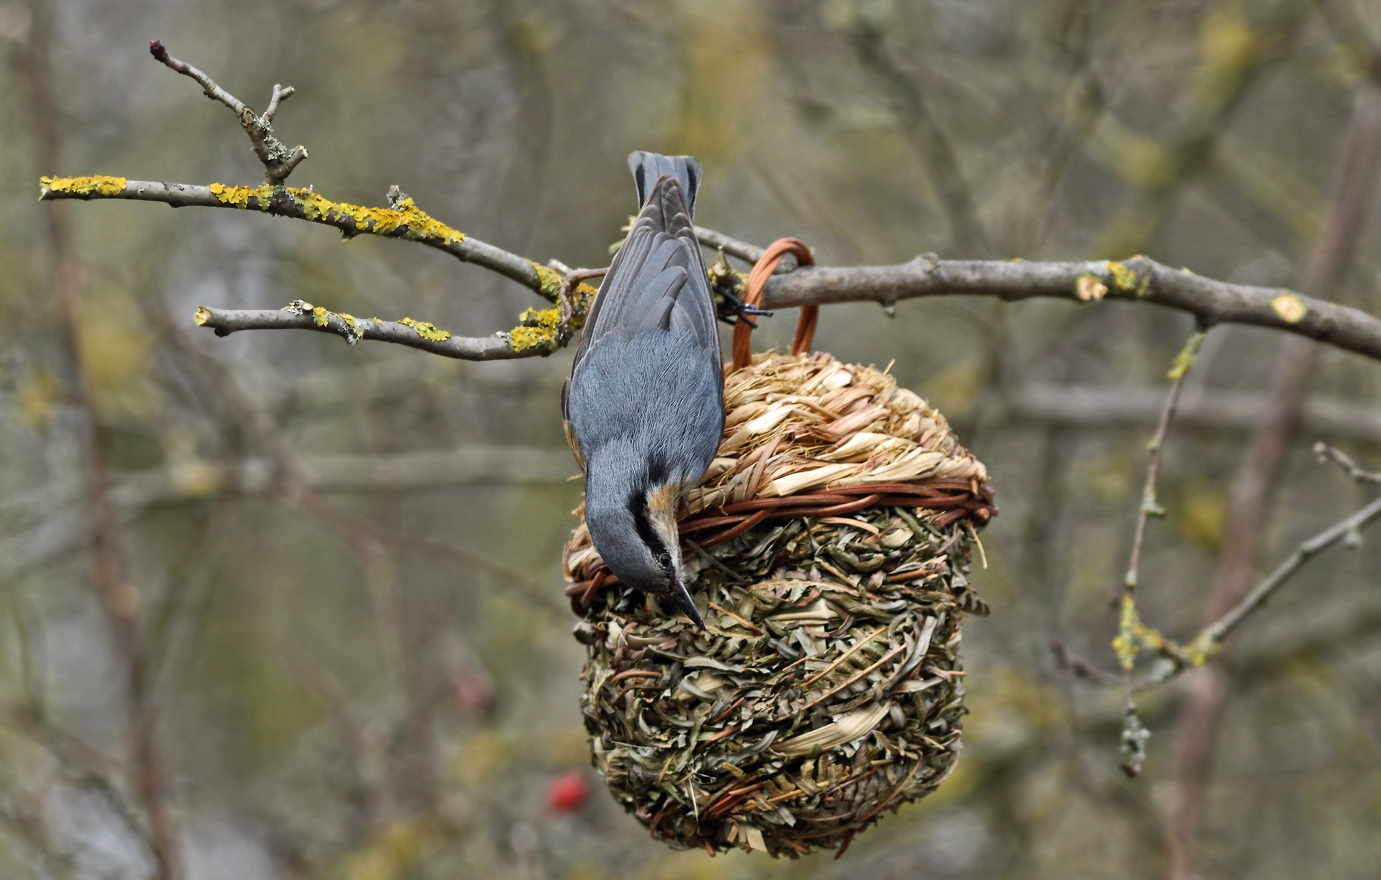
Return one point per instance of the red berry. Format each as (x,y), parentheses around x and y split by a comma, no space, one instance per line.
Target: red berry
(568,792)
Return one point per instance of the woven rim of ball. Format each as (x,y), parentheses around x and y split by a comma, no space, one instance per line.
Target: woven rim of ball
(826,686)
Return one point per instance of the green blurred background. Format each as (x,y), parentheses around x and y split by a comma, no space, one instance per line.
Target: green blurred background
(340,566)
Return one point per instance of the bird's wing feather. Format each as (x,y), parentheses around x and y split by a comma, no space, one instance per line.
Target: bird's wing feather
(657,280)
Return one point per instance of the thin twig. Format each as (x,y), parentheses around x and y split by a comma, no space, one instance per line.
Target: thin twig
(1068,661)
(1210,640)
(1129,638)
(1149,506)
(1343,531)
(280,94)
(278,159)
(1338,457)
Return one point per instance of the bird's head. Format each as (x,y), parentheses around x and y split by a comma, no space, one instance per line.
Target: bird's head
(631,513)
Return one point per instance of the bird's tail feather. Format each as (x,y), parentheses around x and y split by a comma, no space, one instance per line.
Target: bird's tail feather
(648,168)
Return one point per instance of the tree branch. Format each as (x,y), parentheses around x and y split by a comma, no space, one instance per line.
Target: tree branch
(1132,633)
(1109,407)
(482,348)
(1324,452)
(1139,279)
(1345,531)
(403,220)
(278,159)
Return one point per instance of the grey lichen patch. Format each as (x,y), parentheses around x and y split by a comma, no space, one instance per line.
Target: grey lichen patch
(350,328)
(354,328)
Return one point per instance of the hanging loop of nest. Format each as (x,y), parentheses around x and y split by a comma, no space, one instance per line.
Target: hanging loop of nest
(832,537)
(757,284)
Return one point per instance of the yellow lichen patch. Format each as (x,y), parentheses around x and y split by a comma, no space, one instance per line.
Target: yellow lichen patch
(581,299)
(1125,645)
(238,196)
(1202,649)
(202,316)
(407,221)
(532,337)
(426,331)
(1124,278)
(97,185)
(1090,289)
(320,316)
(1290,307)
(1185,359)
(354,330)
(539,328)
(547,318)
(550,281)
(1133,636)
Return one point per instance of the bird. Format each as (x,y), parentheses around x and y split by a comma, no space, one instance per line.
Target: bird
(644,405)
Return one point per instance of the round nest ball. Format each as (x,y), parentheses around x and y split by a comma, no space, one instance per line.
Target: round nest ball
(831,541)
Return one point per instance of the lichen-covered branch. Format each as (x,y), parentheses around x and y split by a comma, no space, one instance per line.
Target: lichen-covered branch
(414,334)
(541,332)
(404,220)
(1139,279)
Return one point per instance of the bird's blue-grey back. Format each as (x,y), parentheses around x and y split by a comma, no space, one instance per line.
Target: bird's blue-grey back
(656,282)
(648,363)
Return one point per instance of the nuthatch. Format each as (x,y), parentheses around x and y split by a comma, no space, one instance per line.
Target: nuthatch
(644,406)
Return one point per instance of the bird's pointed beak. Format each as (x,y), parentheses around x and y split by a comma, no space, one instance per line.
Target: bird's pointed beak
(682,597)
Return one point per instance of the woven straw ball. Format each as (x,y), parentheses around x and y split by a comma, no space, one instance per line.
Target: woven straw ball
(831,541)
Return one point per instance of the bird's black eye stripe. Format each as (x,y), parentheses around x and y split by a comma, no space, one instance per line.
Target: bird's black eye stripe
(637,504)
(657,471)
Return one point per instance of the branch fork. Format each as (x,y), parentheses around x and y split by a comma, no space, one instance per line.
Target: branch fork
(278,159)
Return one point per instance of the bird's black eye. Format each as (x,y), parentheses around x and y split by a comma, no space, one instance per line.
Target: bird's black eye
(664,560)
